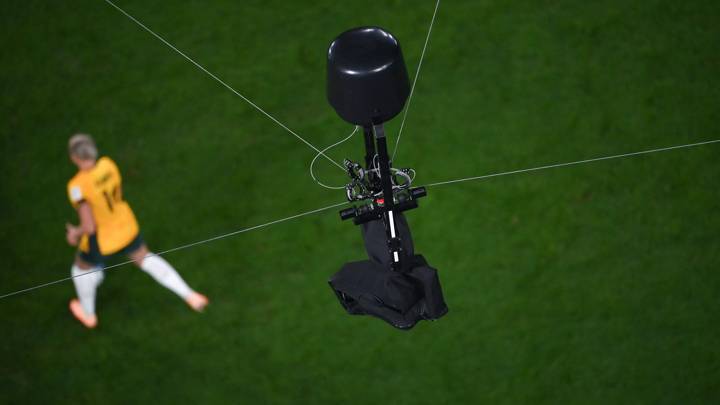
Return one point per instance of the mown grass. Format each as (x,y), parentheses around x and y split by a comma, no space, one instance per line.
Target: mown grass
(588,284)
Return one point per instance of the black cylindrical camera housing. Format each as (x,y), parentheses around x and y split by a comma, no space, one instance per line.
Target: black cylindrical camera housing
(348,213)
(367,82)
(418,192)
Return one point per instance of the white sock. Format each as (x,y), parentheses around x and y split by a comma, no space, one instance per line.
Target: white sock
(166,275)
(86,285)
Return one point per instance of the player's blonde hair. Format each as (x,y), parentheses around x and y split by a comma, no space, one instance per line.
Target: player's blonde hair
(82,147)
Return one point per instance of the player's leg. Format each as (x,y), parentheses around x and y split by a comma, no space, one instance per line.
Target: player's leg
(167,276)
(86,277)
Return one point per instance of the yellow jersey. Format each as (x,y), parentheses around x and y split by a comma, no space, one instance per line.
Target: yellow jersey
(101,188)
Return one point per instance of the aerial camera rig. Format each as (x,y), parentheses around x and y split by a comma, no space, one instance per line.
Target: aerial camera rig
(374,184)
(367,85)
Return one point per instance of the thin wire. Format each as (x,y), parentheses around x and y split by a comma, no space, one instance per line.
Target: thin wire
(417,74)
(215,238)
(325,150)
(222,82)
(189,245)
(570,163)
(175,249)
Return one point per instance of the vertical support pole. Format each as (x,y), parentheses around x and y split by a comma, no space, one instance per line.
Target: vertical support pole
(394,244)
(384,159)
(369,146)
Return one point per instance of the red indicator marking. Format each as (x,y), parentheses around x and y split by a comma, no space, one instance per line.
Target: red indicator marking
(380,201)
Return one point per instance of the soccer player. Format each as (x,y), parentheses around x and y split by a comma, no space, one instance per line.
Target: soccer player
(108,228)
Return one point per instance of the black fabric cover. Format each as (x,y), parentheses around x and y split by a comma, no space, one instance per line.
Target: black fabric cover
(371,287)
(399,298)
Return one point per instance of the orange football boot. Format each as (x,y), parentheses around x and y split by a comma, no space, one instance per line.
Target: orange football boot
(197,301)
(90,321)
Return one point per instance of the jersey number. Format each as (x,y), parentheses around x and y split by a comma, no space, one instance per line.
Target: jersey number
(112,197)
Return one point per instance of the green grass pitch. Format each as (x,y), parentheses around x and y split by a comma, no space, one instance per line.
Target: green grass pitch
(594,283)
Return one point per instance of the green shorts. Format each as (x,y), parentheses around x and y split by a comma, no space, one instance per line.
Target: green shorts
(94,257)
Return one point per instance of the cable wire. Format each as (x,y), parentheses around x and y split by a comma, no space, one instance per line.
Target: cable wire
(175,249)
(312,164)
(252,228)
(321,153)
(217,79)
(417,74)
(644,152)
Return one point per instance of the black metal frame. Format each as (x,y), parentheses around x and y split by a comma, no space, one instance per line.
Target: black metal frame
(389,205)
(394,242)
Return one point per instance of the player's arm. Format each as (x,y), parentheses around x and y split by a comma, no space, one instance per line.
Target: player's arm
(86,227)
